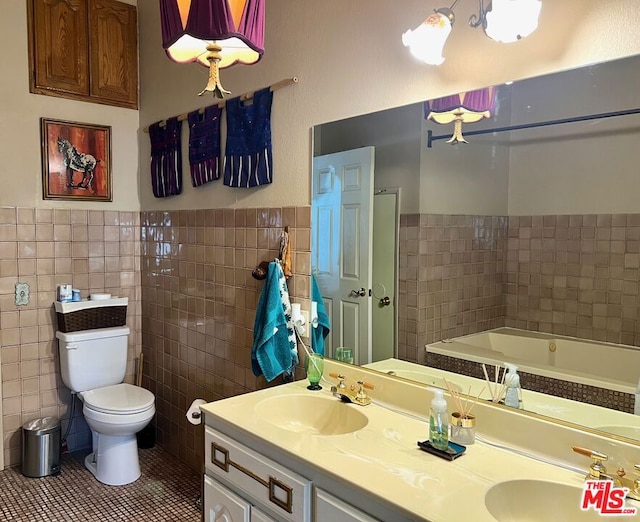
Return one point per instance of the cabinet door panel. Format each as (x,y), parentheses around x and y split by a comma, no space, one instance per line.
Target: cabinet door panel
(266,483)
(222,505)
(59,46)
(328,507)
(259,516)
(114,47)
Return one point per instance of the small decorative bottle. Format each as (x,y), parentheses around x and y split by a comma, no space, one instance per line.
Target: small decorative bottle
(438,422)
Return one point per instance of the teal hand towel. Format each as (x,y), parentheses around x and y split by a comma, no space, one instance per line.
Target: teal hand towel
(320,331)
(274,349)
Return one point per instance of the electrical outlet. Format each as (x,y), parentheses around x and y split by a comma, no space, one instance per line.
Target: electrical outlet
(22,294)
(305,314)
(305,336)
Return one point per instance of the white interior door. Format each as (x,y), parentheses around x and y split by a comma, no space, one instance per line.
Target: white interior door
(342,214)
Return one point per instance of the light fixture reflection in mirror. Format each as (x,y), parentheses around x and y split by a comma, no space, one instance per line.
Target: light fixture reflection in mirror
(563,198)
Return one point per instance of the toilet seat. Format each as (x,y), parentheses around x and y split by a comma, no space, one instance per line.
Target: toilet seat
(118,399)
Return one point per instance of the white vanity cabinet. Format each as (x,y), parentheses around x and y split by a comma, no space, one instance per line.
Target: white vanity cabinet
(241,485)
(330,508)
(251,480)
(223,505)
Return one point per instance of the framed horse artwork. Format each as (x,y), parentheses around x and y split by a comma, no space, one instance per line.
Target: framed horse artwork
(76,160)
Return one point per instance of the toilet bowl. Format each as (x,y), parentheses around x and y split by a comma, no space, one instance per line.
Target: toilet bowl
(115,414)
(93,364)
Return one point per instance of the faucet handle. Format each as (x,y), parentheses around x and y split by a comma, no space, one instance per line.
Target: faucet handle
(597,468)
(341,385)
(361,397)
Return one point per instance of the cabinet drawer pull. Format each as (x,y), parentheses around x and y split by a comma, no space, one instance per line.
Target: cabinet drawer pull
(276,489)
(224,452)
(279,493)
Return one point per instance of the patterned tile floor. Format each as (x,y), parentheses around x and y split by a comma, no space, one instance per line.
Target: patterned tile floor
(166,491)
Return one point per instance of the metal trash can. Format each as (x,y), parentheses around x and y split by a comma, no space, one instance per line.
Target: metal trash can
(41,447)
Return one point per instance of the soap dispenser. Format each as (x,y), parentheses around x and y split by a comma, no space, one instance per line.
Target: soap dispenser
(512,383)
(438,422)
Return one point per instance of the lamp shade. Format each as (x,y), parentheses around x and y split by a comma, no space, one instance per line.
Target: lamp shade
(189,26)
(466,107)
(511,20)
(426,41)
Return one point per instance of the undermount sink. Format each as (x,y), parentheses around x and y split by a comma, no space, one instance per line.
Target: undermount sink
(311,414)
(536,500)
(630,432)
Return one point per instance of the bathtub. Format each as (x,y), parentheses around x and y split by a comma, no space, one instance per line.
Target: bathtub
(592,363)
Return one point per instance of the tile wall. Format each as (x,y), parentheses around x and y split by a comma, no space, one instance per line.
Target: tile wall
(452,279)
(192,298)
(96,251)
(198,307)
(575,275)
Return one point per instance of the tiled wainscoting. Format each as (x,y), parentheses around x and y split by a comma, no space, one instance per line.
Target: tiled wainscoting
(198,306)
(192,298)
(96,251)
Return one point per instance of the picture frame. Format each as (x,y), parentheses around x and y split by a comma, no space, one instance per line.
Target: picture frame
(76,160)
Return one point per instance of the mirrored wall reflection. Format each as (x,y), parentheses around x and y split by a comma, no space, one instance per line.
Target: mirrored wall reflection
(537,229)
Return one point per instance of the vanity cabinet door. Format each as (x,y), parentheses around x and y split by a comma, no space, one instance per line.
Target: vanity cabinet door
(263,481)
(222,505)
(328,507)
(259,516)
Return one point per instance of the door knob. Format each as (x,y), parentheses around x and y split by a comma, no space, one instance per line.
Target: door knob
(385,301)
(358,293)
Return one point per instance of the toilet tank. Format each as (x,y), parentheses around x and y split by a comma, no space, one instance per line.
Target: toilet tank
(93,358)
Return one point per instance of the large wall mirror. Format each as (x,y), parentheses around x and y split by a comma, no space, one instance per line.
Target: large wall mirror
(415,240)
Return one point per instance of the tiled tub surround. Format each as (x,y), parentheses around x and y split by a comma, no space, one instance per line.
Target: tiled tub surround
(612,399)
(198,306)
(96,251)
(575,275)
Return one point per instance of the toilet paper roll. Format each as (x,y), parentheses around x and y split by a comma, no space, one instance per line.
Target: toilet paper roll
(194,415)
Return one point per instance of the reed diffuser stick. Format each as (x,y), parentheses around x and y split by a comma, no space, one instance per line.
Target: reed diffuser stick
(463,408)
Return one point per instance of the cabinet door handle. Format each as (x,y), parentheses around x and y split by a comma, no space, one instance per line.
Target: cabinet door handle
(276,488)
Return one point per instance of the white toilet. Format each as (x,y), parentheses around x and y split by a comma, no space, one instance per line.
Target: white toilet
(93,363)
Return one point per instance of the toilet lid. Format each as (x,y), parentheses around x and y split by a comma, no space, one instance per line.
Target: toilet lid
(119,399)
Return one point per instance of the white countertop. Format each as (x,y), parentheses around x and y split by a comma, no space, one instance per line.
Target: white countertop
(382,459)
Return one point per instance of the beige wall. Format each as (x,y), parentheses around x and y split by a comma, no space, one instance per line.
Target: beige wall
(20,127)
(350,60)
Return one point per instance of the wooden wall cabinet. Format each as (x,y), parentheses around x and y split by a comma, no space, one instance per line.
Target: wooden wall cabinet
(84,50)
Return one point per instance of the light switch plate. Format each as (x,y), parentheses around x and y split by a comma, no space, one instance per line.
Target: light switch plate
(22,294)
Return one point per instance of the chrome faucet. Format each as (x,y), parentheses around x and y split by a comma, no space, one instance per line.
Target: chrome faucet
(349,394)
(597,471)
